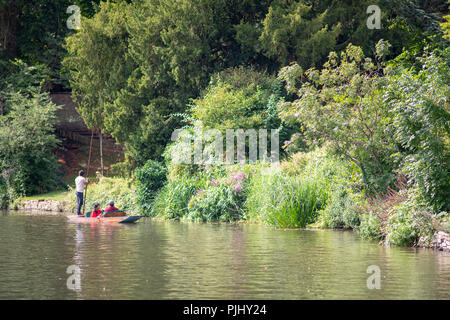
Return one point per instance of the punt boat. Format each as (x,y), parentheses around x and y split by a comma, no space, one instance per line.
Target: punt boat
(109,217)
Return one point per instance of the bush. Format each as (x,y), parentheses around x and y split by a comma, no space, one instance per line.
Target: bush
(238,98)
(217,203)
(398,219)
(370,227)
(418,104)
(407,225)
(7,192)
(340,211)
(149,179)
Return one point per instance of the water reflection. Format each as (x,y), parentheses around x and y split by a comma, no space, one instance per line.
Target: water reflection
(175,260)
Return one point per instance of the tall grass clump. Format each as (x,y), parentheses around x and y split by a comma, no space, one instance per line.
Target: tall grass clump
(171,202)
(277,199)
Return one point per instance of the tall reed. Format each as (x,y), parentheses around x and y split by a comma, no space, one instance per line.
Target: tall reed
(285,201)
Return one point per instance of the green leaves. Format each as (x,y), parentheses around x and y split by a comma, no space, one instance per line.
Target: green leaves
(97,62)
(339,105)
(150,178)
(27,135)
(418,104)
(293,33)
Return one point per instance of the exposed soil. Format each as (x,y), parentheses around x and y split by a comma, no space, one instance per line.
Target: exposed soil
(73,153)
(74,156)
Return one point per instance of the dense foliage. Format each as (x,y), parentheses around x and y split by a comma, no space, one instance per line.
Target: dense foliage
(362,112)
(149,179)
(338,104)
(27,117)
(420,124)
(166,60)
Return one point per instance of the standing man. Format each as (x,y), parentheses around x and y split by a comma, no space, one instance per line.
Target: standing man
(80,182)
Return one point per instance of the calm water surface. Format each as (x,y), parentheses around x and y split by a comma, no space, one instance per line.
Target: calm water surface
(173,260)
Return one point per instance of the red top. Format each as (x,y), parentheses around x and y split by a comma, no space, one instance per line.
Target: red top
(95,214)
(108,209)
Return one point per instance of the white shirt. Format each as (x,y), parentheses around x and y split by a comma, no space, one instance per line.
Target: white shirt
(79,182)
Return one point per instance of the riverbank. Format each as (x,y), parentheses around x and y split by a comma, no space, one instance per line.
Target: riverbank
(440,241)
(44,205)
(310,189)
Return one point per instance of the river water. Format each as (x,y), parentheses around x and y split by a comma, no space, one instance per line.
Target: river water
(176,260)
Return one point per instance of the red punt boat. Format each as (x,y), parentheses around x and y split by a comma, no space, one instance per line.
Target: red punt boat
(108,217)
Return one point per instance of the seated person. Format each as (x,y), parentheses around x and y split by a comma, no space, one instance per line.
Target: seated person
(111,207)
(97,212)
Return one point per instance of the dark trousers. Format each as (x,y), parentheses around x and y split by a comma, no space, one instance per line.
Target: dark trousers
(79,202)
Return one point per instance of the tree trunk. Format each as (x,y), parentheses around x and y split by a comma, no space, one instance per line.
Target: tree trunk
(101,150)
(9,13)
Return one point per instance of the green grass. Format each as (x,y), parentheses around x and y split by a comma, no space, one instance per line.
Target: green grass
(283,201)
(54,195)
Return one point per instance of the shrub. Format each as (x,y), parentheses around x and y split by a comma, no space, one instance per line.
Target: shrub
(238,98)
(219,202)
(370,227)
(222,198)
(442,222)
(149,179)
(419,106)
(398,218)
(407,225)
(340,211)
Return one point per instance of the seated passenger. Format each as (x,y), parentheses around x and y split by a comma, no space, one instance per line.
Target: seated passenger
(111,207)
(97,212)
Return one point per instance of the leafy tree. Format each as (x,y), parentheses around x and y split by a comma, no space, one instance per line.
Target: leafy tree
(98,65)
(446,27)
(338,105)
(34,31)
(27,136)
(305,31)
(418,104)
(172,61)
(237,98)
(87,7)
(291,32)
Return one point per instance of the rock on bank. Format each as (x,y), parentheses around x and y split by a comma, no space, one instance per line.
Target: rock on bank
(44,205)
